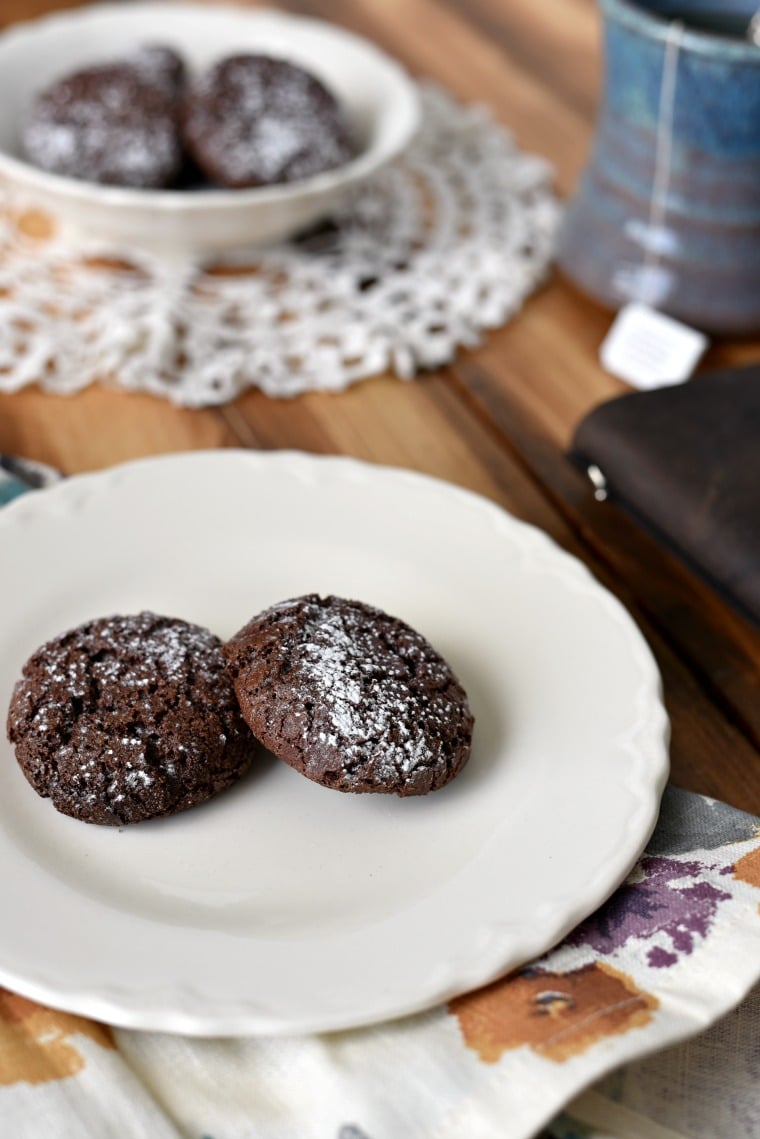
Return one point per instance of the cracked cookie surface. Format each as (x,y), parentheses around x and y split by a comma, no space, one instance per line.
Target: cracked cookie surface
(252,120)
(128,717)
(116,123)
(351,697)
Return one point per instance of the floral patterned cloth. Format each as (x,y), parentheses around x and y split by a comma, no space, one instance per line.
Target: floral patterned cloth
(669,955)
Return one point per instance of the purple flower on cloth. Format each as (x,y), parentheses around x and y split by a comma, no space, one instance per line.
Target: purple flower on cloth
(665,897)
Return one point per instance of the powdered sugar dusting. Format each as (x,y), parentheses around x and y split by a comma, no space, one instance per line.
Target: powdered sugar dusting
(127,657)
(161,67)
(385,696)
(258,121)
(133,716)
(144,648)
(111,124)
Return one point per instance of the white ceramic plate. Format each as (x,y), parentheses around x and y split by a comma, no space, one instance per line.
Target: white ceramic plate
(380,99)
(282,906)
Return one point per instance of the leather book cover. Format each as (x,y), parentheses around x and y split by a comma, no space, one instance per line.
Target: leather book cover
(686,461)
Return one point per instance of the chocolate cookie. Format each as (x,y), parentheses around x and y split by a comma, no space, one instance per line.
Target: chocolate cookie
(127,718)
(117,123)
(350,697)
(255,121)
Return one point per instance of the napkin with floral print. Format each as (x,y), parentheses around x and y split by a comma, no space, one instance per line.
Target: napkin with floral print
(595,1027)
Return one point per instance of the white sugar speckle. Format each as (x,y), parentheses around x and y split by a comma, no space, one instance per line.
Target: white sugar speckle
(369,691)
(100,694)
(109,128)
(267,121)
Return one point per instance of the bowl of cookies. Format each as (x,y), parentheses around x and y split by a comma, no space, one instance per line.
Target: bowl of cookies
(194,129)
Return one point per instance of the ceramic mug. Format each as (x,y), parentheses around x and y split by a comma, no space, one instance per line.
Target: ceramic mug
(668,209)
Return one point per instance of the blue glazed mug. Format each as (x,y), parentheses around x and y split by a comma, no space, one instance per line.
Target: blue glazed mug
(668,209)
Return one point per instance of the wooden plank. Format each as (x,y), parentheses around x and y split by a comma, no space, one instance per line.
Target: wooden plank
(99,427)
(13,10)
(560,40)
(435,41)
(533,384)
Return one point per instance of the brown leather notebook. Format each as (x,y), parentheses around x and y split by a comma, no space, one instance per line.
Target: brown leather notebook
(686,461)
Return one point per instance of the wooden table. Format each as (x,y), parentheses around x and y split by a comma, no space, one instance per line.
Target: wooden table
(498,419)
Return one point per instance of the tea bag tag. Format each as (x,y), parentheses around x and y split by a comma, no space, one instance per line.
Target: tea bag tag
(650,350)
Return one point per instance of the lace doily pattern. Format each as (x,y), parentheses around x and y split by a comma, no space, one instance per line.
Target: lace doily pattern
(447,242)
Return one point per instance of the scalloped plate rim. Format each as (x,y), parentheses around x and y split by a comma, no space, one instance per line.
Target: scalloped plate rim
(187,1010)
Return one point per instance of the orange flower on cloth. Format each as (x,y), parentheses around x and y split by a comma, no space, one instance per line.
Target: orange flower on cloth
(747,869)
(558,1014)
(36,1044)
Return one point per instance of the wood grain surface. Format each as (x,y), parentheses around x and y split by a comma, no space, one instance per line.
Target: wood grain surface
(499,419)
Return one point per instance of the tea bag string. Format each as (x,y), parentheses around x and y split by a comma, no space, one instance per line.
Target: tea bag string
(658,202)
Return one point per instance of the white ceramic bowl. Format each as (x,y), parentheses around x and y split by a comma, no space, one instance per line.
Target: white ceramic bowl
(379,97)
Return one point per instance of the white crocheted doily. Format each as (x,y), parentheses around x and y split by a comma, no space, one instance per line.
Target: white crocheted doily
(447,242)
